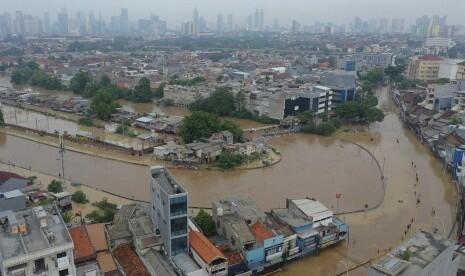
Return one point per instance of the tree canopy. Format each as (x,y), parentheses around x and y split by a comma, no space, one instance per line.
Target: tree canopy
(220,102)
(103,104)
(143,92)
(205,222)
(199,125)
(30,73)
(79,82)
(55,186)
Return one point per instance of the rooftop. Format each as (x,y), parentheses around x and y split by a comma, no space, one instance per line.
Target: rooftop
(162,176)
(312,208)
(83,248)
(106,262)
(130,261)
(204,248)
(288,217)
(261,232)
(188,266)
(245,207)
(430,58)
(41,228)
(423,248)
(96,234)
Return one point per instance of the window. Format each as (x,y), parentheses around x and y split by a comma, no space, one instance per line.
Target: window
(39,265)
(63,272)
(179,226)
(61,255)
(178,245)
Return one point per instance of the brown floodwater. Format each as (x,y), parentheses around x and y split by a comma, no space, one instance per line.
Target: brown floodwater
(311,166)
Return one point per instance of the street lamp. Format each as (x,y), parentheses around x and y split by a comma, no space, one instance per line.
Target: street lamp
(346,267)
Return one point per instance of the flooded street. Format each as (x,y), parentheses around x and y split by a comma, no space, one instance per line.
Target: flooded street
(311,166)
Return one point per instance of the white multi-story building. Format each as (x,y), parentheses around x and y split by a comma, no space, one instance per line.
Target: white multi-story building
(35,242)
(449,68)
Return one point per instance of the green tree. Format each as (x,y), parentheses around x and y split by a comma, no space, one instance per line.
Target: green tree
(102,104)
(160,91)
(198,125)
(79,197)
(220,102)
(105,81)
(228,160)
(104,212)
(306,117)
(234,128)
(143,92)
(55,186)
(79,82)
(205,222)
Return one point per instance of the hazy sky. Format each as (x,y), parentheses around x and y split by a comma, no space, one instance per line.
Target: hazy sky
(305,11)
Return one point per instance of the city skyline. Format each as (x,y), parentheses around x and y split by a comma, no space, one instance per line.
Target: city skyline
(299,10)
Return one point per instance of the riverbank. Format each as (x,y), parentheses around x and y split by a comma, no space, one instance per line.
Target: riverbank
(92,194)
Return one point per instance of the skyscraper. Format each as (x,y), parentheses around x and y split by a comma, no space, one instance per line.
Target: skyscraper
(19,22)
(261,20)
(124,21)
(196,17)
(230,24)
(220,22)
(63,22)
(256,19)
(47,28)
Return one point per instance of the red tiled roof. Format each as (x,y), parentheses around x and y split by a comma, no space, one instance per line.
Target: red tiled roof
(106,262)
(430,57)
(203,247)
(261,232)
(96,234)
(130,261)
(83,248)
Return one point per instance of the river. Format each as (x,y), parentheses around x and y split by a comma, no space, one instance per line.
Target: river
(310,166)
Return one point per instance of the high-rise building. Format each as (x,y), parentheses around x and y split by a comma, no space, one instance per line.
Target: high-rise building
(19,22)
(261,25)
(229,22)
(422,27)
(169,210)
(124,21)
(219,23)
(196,17)
(256,20)
(63,22)
(275,25)
(383,26)
(47,27)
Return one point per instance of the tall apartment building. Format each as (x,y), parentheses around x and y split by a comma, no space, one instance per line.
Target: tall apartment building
(425,68)
(169,211)
(35,242)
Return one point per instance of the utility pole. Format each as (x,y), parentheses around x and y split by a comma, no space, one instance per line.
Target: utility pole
(62,152)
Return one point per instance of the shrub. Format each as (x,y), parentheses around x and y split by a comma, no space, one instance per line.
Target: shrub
(55,186)
(79,197)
